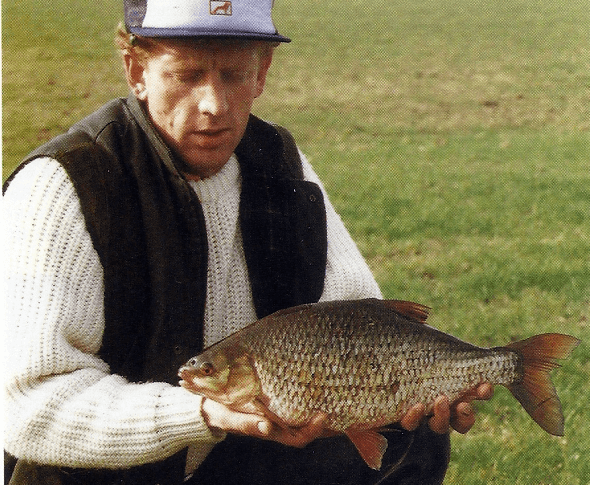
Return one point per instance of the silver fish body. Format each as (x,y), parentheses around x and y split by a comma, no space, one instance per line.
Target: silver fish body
(365,363)
(349,365)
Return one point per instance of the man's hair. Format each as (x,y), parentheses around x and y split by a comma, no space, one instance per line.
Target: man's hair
(144,47)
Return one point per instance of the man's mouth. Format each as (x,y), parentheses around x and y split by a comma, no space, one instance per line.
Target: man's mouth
(212,131)
(212,137)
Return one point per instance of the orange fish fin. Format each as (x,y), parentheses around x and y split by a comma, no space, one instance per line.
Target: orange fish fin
(535,391)
(370,445)
(413,311)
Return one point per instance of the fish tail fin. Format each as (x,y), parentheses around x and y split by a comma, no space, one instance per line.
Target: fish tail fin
(535,391)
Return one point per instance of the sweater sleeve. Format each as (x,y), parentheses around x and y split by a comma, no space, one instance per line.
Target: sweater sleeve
(348,276)
(63,407)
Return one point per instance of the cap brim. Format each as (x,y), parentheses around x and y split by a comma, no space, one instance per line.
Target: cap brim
(159,32)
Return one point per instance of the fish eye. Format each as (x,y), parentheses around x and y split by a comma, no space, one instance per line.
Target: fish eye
(206,369)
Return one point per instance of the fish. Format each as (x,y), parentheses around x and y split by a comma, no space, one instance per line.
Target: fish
(364,364)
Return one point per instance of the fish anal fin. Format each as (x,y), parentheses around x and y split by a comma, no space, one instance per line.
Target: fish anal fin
(409,309)
(370,445)
(534,390)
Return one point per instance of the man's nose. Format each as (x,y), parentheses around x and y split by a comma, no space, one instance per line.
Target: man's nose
(212,99)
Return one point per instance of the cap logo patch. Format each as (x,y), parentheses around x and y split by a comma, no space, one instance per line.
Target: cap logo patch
(219,8)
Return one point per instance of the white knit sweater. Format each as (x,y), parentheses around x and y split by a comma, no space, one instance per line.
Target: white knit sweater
(63,407)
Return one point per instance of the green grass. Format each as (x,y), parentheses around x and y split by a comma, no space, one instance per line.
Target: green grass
(454,139)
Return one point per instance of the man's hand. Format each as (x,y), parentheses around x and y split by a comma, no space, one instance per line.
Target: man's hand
(219,417)
(460,416)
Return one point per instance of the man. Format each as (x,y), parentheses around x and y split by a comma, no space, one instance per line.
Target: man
(157,226)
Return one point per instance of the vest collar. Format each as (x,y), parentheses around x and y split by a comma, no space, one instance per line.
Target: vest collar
(164,152)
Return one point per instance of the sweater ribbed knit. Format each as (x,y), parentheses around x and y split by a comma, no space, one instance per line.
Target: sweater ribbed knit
(63,407)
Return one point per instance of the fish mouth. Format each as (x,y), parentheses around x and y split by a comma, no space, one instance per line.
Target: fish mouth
(186,380)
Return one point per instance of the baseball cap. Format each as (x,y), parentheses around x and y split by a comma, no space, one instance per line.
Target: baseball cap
(248,19)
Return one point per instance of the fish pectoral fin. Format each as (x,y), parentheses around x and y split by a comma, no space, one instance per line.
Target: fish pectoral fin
(242,384)
(370,445)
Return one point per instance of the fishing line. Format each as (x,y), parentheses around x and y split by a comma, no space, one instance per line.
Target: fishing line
(396,467)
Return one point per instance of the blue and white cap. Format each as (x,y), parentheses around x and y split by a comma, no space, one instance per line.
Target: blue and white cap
(248,19)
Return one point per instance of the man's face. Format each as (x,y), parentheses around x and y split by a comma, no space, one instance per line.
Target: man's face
(199,97)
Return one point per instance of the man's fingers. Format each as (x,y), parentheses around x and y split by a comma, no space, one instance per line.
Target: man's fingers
(483,392)
(439,423)
(464,417)
(264,428)
(413,417)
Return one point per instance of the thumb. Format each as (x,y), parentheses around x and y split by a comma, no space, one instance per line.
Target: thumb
(250,424)
(220,417)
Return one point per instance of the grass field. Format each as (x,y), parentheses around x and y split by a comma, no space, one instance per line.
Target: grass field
(454,139)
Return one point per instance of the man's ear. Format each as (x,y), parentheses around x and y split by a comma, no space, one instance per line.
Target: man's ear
(265,63)
(134,73)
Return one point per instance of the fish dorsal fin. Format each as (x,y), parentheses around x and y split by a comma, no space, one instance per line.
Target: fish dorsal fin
(413,311)
(370,444)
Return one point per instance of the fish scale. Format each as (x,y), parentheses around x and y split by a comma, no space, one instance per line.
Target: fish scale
(423,370)
(365,363)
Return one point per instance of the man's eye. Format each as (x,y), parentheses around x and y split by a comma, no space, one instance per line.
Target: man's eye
(187,77)
(234,76)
